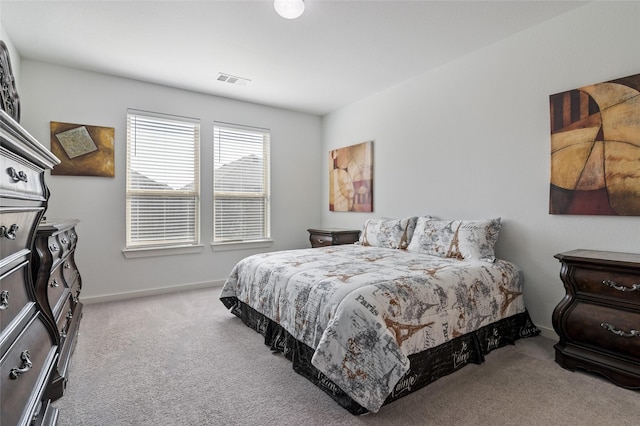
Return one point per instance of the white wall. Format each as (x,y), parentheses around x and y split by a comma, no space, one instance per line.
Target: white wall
(53,93)
(471,140)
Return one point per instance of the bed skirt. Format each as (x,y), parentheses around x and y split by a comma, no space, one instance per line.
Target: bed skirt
(425,367)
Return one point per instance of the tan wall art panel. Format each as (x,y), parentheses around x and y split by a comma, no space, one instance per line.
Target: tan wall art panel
(595,149)
(83,150)
(351,178)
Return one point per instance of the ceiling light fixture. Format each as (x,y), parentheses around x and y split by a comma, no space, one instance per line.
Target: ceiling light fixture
(289,9)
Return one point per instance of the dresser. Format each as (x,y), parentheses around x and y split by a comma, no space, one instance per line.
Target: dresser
(320,237)
(58,284)
(28,338)
(598,320)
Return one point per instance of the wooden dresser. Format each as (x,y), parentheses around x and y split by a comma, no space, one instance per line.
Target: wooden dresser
(28,338)
(598,320)
(59,283)
(330,236)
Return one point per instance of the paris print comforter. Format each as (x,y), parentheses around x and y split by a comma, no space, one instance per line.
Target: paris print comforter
(364,310)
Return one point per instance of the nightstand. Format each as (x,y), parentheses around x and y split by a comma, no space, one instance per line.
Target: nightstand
(598,320)
(332,236)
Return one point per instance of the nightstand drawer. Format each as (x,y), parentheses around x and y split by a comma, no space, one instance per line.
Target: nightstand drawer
(606,328)
(608,283)
(320,240)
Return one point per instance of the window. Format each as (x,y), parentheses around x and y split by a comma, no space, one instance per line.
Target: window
(163,180)
(241,186)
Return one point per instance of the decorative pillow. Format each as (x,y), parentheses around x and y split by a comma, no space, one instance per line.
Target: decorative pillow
(390,233)
(459,239)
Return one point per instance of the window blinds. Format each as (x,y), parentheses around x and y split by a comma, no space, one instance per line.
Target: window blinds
(163,180)
(241,198)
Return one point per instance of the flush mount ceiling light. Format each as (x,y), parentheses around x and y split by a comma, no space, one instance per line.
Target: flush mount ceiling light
(289,9)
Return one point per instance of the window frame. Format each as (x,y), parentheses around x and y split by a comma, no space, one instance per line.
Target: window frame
(173,244)
(264,240)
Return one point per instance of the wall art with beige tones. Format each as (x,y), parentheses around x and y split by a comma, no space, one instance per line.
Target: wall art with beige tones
(595,149)
(83,150)
(351,178)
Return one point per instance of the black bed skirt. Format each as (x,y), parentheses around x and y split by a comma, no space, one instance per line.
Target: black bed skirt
(425,367)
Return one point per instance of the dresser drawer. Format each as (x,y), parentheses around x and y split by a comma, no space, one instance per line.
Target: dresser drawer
(55,289)
(64,317)
(19,178)
(606,328)
(25,369)
(54,248)
(608,283)
(64,242)
(13,295)
(69,270)
(15,227)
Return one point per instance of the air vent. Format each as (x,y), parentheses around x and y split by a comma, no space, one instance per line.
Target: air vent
(232,79)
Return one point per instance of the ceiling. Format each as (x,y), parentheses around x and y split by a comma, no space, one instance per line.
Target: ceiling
(336,53)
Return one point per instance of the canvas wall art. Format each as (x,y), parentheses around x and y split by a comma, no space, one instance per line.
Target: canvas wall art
(595,149)
(83,150)
(351,178)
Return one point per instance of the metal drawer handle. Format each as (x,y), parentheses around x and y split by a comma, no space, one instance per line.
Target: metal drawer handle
(67,265)
(4,300)
(614,330)
(54,283)
(614,285)
(17,176)
(53,247)
(25,356)
(65,241)
(11,233)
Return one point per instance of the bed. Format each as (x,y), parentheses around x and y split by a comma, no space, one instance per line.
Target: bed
(415,299)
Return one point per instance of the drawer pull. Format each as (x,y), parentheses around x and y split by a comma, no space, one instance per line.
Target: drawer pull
(612,329)
(53,247)
(54,283)
(25,356)
(17,176)
(614,285)
(11,233)
(4,300)
(67,265)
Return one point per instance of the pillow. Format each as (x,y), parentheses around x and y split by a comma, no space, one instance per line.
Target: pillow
(459,239)
(389,233)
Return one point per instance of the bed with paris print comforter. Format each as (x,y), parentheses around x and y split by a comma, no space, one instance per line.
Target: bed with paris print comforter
(368,323)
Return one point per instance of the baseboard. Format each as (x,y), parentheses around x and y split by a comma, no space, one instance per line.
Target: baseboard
(549,333)
(150,292)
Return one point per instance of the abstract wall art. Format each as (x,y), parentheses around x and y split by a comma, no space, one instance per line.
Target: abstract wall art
(351,178)
(595,149)
(82,150)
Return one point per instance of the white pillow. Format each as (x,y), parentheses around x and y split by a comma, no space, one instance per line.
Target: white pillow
(389,233)
(459,239)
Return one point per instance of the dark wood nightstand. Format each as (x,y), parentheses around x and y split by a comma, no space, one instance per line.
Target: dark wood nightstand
(598,320)
(332,236)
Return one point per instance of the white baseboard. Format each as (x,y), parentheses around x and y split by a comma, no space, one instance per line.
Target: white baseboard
(150,292)
(549,333)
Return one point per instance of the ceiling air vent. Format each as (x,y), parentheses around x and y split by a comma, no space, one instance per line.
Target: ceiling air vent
(232,79)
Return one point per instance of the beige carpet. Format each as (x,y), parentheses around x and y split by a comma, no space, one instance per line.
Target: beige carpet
(183,359)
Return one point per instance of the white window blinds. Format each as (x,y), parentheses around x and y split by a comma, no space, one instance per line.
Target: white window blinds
(241,185)
(163,180)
